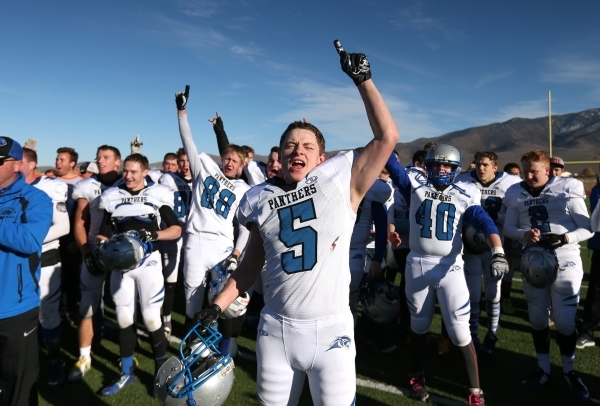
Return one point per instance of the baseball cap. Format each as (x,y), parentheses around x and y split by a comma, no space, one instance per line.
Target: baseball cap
(10,148)
(88,167)
(557,161)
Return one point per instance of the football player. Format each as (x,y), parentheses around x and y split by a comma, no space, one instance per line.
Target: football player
(138,206)
(302,225)
(216,196)
(169,164)
(87,220)
(551,210)
(492,185)
(439,207)
(49,281)
(180,184)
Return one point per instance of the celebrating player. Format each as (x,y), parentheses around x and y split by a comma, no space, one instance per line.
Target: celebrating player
(439,207)
(140,207)
(302,226)
(551,211)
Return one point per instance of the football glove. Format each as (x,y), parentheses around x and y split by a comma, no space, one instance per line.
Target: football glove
(147,235)
(498,266)
(136,145)
(230,263)
(553,241)
(208,316)
(181,99)
(354,65)
(93,265)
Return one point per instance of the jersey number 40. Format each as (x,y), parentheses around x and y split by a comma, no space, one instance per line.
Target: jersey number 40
(221,201)
(444,220)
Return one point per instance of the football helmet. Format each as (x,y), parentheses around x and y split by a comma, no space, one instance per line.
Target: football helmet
(474,240)
(380,299)
(200,376)
(539,265)
(219,276)
(445,154)
(123,252)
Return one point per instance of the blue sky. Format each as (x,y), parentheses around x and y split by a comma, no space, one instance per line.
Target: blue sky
(85,73)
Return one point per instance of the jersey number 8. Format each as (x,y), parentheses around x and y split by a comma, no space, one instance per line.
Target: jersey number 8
(223,202)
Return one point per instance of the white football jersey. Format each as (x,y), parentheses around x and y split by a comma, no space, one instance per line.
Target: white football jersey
(306,229)
(436,218)
(155,174)
(380,192)
(90,189)
(492,194)
(215,198)
(182,194)
(559,209)
(256,172)
(58,191)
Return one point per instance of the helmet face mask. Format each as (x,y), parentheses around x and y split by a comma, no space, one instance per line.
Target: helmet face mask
(380,301)
(200,372)
(539,266)
(443,154)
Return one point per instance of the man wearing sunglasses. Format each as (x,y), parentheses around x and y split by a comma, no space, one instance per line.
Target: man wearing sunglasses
(25,218)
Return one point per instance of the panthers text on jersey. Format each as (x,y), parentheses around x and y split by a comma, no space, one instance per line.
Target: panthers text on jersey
(436,217)
(135,211)
(182,193)
(559,209)
(90,189)
(492,193)
(57,190)
(306,229)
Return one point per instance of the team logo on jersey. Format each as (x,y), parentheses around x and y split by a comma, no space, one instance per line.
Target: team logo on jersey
(8,212)
(340,342)
(263,333)
(455,268)
(310,180)
(61,207)
(357,256)
(569,264)
(152,263)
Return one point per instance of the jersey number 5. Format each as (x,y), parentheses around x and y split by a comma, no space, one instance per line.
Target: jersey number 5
(223,202)
(306,237)
(444,220)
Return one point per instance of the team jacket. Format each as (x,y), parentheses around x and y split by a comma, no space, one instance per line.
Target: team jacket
(25,218)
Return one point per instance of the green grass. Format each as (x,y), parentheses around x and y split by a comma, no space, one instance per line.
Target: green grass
(501,374)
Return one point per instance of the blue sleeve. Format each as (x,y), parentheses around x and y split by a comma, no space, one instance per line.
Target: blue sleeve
(379,213)
(478,218)
(594,197)
(399,177)
(26,237)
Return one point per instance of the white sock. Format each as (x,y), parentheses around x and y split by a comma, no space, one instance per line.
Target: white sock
(85,352)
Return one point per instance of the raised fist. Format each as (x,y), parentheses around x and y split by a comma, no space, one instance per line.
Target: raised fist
(181,99)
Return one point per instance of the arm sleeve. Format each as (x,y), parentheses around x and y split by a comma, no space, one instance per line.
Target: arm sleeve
(255,172)
(242,239)
(25,238)
(222,140)
(188,144)
(580,216)
(478,218)
(380,219)
(60,224)
(105,226)
(168,216)
(398,176)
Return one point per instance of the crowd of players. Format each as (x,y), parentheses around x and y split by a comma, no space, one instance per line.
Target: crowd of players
(196,219)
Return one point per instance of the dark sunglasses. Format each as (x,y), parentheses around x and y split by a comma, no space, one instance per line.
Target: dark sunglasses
(5,160)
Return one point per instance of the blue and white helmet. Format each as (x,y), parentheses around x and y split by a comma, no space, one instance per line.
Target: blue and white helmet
(539,265)
(474,240)
(380,301)
(201,375)
(219,277)
(444,154)
(123,252)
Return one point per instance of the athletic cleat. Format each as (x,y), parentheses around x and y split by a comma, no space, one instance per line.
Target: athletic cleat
(475,397)
(167,327)
(579,389)
(56,372)
(123,381)
(489,343)
(584,341)
(537,380)
(417,388)
(507,307)
(443,346)
(80,368)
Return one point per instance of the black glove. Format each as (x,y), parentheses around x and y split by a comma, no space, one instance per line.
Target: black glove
(553,241)
(208,316)
(230,263)
(355,65)
(182,98)
(498,266)
(147,235)
(93,265)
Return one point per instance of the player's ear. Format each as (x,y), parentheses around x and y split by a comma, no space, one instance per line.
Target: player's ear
(322,157)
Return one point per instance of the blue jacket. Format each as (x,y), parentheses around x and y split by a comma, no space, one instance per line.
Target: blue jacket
(594,242)
(25,218)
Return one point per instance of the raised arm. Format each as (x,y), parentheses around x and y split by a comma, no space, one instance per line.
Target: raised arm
(219,129)
(186,132)
(371,161)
